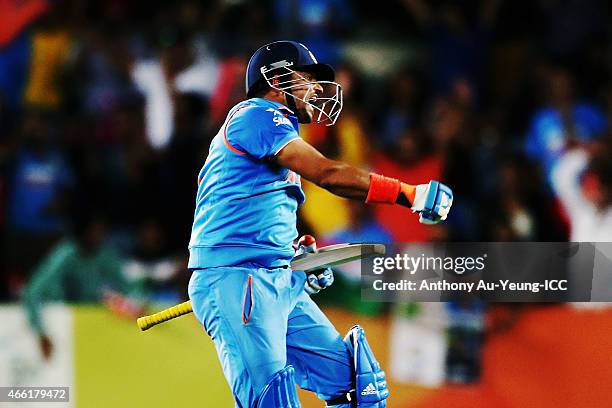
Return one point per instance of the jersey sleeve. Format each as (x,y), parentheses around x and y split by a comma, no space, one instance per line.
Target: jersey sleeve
(566,182)
(259,131)
(46,284)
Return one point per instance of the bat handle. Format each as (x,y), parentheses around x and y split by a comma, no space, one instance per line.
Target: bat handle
(146,322)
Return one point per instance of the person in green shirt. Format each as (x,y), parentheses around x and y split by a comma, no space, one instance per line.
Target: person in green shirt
(79,269)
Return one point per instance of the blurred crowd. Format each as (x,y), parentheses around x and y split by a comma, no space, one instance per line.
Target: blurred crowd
(107,109)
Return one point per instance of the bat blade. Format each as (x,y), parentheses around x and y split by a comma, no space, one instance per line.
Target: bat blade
(335,255)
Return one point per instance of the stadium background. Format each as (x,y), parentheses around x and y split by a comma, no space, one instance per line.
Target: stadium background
(106,112)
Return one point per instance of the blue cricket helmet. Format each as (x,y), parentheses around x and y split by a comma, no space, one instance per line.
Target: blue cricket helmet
(284,53)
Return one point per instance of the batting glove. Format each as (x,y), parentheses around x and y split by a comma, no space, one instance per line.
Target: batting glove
(432,202)
(319,279)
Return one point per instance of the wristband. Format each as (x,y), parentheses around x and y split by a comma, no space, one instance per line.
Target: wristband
(384,190)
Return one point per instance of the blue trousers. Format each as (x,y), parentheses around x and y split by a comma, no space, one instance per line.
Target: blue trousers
(261,320)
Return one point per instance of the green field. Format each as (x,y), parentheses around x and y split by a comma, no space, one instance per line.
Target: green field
(171,365)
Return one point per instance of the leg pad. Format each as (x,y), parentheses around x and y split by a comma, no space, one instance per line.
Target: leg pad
(280,391)
(370,382)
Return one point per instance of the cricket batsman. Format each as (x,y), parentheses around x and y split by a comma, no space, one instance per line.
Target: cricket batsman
(269,335)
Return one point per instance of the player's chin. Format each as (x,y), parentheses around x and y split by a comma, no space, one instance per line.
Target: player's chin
(304,115)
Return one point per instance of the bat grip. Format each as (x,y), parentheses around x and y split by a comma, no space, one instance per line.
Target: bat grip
(146,322)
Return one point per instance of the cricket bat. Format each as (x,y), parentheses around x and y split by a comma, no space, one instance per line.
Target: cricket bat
(326,256)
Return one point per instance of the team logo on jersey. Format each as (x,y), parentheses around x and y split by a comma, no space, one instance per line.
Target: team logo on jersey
(279,118)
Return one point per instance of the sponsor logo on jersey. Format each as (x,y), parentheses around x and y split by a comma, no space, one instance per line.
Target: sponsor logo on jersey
(279,118)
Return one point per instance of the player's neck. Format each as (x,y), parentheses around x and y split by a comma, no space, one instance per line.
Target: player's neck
(278,97)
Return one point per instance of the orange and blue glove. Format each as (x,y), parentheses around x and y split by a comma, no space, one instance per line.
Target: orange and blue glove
(432,201)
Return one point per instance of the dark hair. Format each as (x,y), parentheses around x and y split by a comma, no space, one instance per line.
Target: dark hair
(259,89)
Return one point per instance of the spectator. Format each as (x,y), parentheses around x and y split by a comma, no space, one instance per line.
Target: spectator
(79,269)
(562,122)
(161,79)
(150,267)
(402,113)
(39,182)
(583,183)
(584,187)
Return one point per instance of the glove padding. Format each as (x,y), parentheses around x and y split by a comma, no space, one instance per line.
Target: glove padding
(432,202)
(318,279)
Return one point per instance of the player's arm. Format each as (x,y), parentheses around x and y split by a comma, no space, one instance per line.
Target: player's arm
(45,285)
(351,182)
(338,178)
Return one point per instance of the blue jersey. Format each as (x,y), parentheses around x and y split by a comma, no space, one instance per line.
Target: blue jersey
(246,204)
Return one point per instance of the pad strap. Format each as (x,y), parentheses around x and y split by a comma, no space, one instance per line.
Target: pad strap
(347,398)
